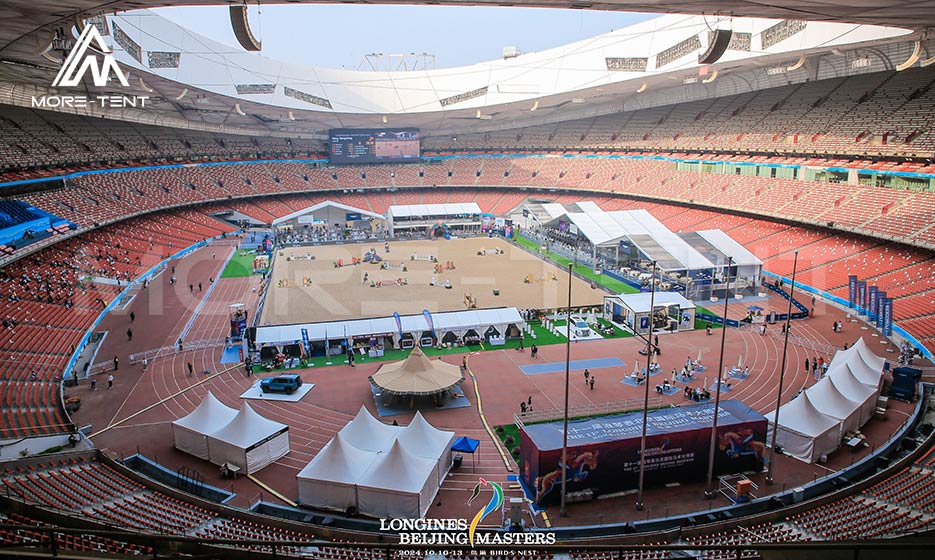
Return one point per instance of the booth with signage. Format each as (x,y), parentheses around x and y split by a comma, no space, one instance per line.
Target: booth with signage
(670,311)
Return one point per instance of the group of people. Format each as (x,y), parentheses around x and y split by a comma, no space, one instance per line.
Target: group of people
(697,394)
(818,367)
(589,379)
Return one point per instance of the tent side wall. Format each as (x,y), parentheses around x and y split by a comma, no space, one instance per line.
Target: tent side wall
(325,494)
(267,452)
(190,441)
(383,502)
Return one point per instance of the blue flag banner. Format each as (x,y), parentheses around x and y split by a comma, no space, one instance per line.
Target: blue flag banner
(399,324)
(872,302)
(861,297)
(881,300)
(429,321)
(888,317)
(306,343)
(852,290)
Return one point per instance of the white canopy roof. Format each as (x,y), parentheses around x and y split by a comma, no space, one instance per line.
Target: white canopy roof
(639,303)
(866,366)
(248,428)
(830,402)
(423,439)
(338,462)
(326,204)
(399,470)
(802,416)
(726,244)
(450,320)
(208,416)
(426,210)
(369,434)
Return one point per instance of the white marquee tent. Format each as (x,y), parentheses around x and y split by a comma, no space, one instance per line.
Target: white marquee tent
(850,387)
(382,470)
(804,432)
(329,481)
(248,441)
(830,402)
(191,432)
(866,366)
(398,484)
(369,434)
(425,440)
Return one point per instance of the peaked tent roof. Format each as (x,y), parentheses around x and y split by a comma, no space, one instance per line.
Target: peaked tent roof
(849,386)
(338,461)
(873,361)
(830,401)
(247,428)
(800,415)
(367,433)
(208,416)
(424,439)
(399,470)
(417,375)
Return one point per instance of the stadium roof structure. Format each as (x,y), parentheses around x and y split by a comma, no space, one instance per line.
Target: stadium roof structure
(196,83)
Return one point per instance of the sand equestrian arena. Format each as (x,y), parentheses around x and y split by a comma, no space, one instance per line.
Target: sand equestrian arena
(303,290)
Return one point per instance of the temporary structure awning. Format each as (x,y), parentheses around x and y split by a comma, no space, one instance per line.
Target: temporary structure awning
(367,433)
(417,375)
(249,441)
(424,440)
(330,480)
(398,484)
(830,402)
(850,387)
(191,432)
(804,432)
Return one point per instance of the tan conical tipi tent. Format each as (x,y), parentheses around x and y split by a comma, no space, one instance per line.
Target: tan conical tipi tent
(417,376)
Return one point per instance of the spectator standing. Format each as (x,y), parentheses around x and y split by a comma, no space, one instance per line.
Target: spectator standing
(587,374)
(94,384)
(110,381)
(592,382)
(191,369)
(132,316)
(116,363)
(129,335)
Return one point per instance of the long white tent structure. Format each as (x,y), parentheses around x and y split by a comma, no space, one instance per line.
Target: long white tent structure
(814,423)
(378,469)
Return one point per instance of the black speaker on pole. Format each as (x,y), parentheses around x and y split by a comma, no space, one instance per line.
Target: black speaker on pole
(716,47)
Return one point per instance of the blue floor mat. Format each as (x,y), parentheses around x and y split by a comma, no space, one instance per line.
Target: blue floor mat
(575,365)
(231,355)
(405,405)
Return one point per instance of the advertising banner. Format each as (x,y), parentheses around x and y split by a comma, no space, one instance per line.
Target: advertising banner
(888,317)
(881,299)
(862,297)
(872,303)
(852,291)
(604,453)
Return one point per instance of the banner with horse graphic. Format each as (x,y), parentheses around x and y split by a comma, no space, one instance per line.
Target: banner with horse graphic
(604,453)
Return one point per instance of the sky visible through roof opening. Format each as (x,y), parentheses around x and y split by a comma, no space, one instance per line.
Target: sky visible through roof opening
(341,36)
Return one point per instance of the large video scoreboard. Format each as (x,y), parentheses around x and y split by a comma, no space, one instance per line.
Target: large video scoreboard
(374,145)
